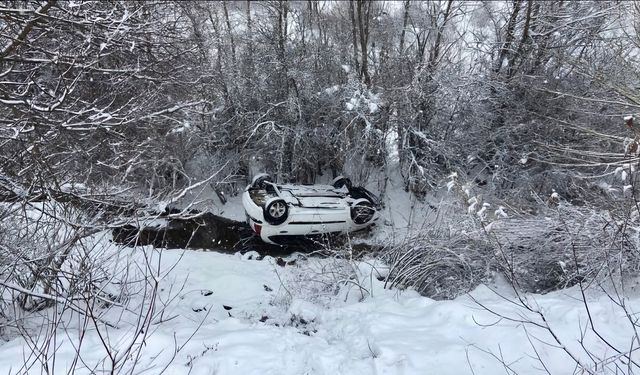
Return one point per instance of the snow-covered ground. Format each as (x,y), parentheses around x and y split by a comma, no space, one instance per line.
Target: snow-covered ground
(238,314)
(241,314)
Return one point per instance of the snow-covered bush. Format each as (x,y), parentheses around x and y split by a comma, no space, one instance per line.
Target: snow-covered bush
(36,242)
(58,268)
(543,253)
(555,246)
(318,281)
(440,268)
(566,246)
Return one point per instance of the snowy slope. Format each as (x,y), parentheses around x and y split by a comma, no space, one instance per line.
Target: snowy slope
(326,316)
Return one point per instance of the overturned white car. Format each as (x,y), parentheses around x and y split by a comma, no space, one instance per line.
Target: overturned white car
(276,212)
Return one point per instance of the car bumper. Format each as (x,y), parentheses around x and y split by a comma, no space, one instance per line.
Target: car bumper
(274,234)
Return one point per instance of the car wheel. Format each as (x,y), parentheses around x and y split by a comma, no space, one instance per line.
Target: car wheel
(275,211)
(362,212)
(340,182)
(259,181)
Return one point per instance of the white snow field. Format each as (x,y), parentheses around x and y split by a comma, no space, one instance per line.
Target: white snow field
(327,316)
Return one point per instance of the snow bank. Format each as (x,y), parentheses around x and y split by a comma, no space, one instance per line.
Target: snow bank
(239,315)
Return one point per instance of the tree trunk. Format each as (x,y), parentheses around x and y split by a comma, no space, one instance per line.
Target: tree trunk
(225,89)
(230,32)
(524,40)
(354,35)
(509,36)
(434,54)
(364,8)
(405,20)
(289,94)
(250,77)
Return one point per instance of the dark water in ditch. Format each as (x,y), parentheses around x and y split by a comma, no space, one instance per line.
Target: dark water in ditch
(207,231)
(198,231)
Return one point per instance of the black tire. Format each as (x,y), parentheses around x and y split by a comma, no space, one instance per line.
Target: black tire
(341,181)
(259,181)
(362,212)
(275,211)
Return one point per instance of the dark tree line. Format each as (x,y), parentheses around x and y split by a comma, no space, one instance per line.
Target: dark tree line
(155,94)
